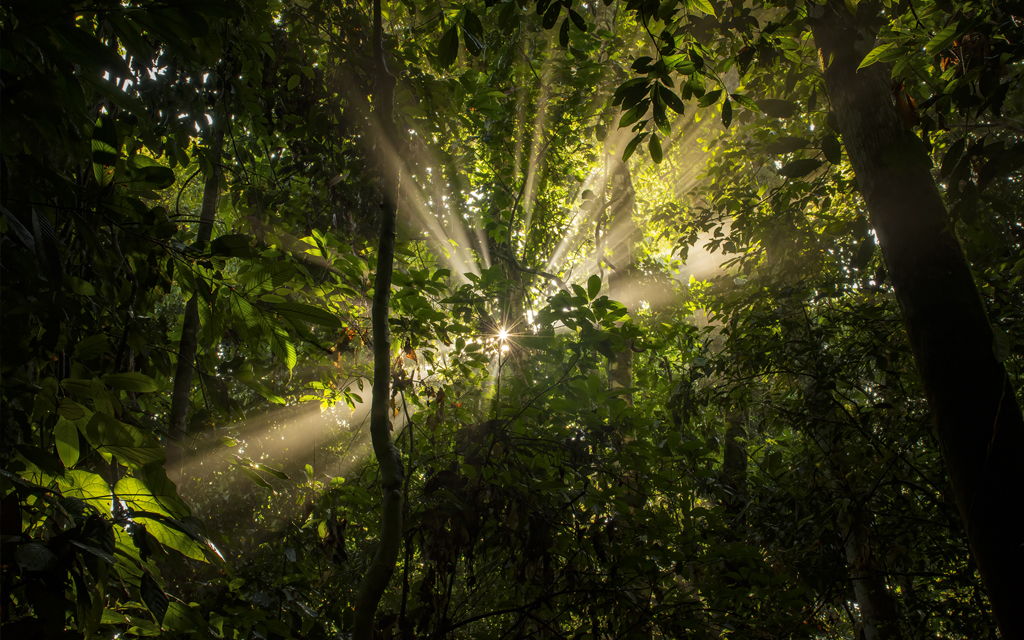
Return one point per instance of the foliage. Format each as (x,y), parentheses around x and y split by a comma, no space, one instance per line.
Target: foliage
(540,500)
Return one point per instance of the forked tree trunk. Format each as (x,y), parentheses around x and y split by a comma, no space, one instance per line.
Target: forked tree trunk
(977,418)
(184,373)
(391,473)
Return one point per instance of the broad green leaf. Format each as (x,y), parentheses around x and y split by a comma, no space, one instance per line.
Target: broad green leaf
(234,245)
(268,276)
(154,597)
(631,147)
(272,471)
(655,148)
(942,39)
(34,556)
(746,102)
(786,144)
(832,149)
(308,313)
(875,54)
(777,108)
(709,98)
(92,347)
(593,286)
(131,445)
(293,82)
(726,113)
(131,381)
(282,346)
(799,168)
(65,434)
(79,286)
(952,157)
(672,100)
(701,5)
(88,487)
(633,114)
(169,536)
(448,47)
(137,496)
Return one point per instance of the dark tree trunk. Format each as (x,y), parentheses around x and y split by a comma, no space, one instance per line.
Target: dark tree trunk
(977,418)
(392,474)
(184,373)
(616,246)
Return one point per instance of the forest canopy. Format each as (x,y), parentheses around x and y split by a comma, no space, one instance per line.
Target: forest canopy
(511,319)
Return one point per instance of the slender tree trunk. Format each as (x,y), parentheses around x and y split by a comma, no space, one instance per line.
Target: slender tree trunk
(618,201)
(734,460)
(977,418)
(876,606)
(392,474)
(181,395)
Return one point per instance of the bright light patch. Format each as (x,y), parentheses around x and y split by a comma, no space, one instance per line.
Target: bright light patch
(502,334)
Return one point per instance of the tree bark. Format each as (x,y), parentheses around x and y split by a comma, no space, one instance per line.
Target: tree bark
(184,373)
(876,606)
(620,239)
(977,418)
(392,474)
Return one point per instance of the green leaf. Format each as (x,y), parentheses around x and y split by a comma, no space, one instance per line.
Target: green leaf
(634,114)
(282,346)
(631,147)
(799,168)
(701,5)
(474,33)
(727,113)
(942,39)
(448,47)
(672,100)
(307,313)
(65,434)
(86,486)
(709,98)
(268,276)
(952,157)
(293,81)
(655,148)
(233,245)
(563,34)
(79,286)
(746,102)
(875,54)
(42,460)
(786,144)
(593,286)
(132,381)
(272,471)
(154,597)
(777,108)
(132,446)
(832,149)
(34,556)
(578,20)
(106,149)
(92,347)
(551,15)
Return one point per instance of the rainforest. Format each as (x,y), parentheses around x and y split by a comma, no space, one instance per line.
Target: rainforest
(502,319)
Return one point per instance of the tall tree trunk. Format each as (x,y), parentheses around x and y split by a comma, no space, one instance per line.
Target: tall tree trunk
(618,200)
(184,373)
(876,606)
(977,418)
(392,474)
